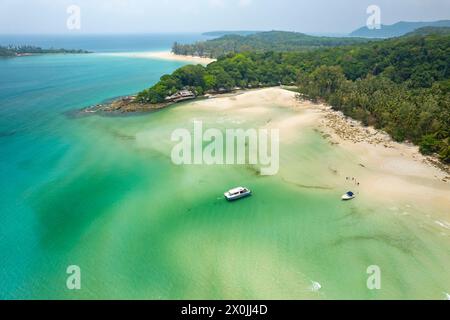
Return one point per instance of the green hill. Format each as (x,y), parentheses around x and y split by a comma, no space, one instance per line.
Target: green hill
(428,31)
(226,33)
(396,30)
(260,42)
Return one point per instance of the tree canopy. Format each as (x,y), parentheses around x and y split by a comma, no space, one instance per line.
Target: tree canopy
(400,85)
(281,41)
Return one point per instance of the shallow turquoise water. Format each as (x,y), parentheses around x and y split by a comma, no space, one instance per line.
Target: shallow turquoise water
(102,193)
(39,143)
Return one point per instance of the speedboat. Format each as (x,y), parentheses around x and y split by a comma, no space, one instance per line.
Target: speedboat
(315,287)
(348,196)
(237,193)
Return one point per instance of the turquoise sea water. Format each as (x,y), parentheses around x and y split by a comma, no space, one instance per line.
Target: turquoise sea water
(102,193)
(38,137)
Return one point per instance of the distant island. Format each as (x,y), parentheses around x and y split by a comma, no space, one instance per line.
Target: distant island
(26,50)
(226,33)
(280,41)
(396,30)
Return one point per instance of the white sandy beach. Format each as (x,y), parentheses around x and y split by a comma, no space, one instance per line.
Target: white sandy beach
(386,170)
(163,55)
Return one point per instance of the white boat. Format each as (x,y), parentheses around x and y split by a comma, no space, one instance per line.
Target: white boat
(237,193)
(315,287)
(348,196)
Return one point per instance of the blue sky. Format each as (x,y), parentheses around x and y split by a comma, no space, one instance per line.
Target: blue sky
(146,16)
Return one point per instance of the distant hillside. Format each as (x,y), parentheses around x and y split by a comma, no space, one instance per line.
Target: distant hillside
(17,51)
(262,42)
(396,30)
(429,30)
(226,33)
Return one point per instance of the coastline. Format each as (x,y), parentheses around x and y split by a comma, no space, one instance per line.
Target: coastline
(127,104)
(123,105)
(163,55)
(333,125)
(340,129)
(33,54)
(387,171)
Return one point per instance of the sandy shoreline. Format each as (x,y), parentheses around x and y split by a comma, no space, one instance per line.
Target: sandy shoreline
(163,55)
(386,170)
(374,149)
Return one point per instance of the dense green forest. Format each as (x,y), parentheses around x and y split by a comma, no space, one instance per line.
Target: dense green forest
(429,30)
(224,33)
(260,42)
(12,51)
(400,85)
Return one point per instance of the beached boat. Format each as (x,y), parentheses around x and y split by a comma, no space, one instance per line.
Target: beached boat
(237,193)
(348,196)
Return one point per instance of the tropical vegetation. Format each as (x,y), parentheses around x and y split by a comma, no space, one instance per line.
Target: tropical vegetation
(279,41)
(400,85)
(12,51)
